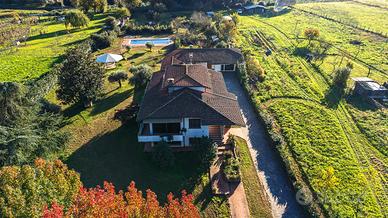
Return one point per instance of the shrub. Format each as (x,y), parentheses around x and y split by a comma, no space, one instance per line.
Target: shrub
(205,151)
(102,40)
(121,13)
(255,72)
(149,45)
(163,155)
(231,169)
(118,77)
(141,75)
(134,29)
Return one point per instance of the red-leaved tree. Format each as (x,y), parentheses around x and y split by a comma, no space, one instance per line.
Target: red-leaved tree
(105,202)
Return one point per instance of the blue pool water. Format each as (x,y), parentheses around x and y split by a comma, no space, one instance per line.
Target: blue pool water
(163,41)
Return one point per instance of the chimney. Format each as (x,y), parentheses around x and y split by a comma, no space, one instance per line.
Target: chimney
(191,57)
(170,81)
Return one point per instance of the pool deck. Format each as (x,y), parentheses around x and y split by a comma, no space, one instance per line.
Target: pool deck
(127,41)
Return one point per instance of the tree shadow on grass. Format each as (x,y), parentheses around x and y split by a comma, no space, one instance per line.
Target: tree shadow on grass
(333,96)
(111,101)
(136,55)
(117,157)
(48,35)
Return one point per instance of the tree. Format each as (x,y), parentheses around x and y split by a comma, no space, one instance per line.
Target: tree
(80,77)
(141,75)
(255,72)
(25,190)
(27,130)
(11,97)
(75,3)
(105,202)
(118,77)
(205,150)
(76,18)
(96,5)
(163,155)
(133,3)
(311,34)
(149,45)
(121,13)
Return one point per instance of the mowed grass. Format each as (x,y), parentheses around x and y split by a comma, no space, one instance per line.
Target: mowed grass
(312,116)
(354,13)
(256,196)
(42,51)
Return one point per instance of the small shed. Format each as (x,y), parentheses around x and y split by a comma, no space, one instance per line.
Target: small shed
(367,87)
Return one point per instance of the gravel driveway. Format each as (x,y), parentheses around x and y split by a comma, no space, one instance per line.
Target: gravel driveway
(269,164)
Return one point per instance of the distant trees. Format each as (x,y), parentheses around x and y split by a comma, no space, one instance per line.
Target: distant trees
(105,202)
(25,190)
(121,13)
(311,34)
(80,77)
(118,77)
(141,75)
(76,18)
(99,6)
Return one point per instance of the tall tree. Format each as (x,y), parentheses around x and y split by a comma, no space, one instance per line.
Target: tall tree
(11,99)
(80,77)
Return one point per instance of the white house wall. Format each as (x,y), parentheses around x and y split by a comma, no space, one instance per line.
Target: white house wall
(192,133)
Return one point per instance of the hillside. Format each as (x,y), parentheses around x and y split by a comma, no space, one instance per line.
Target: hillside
(321,127)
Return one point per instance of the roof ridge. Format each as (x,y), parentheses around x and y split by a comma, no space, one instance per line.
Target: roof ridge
(162,106)
(211,107)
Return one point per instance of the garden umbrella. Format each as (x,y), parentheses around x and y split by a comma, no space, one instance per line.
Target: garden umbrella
(109,58)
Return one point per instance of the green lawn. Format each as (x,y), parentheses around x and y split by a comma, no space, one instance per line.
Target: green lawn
(41,51)
(256,196)
(318,127)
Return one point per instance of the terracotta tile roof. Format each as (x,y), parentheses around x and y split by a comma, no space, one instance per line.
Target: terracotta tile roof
(214,106)
(207,55)
(187,75)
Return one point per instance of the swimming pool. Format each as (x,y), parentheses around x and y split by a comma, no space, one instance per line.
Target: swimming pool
(156,42)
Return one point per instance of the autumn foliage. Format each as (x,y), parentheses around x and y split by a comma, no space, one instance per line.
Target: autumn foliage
(105,202)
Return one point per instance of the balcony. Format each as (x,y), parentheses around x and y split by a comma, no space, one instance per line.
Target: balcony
(145,135)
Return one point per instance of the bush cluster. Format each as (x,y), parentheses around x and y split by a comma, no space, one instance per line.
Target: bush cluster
(133,29)
(231,168)
(102,40)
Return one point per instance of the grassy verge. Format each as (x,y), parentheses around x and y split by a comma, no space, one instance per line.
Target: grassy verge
(254,190)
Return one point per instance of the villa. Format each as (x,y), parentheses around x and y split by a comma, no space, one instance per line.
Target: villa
(188,98)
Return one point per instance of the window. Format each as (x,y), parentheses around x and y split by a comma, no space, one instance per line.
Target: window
(228,67)
(166,128)
(194,123)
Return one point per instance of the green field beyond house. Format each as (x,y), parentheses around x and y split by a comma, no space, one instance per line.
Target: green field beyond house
(322,129)
(47,43)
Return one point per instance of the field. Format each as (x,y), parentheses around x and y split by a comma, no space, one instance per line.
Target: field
(322,126)
(352,13)
(47,43)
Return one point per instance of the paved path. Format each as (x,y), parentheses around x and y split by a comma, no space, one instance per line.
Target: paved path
(238,202)
(270,167)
